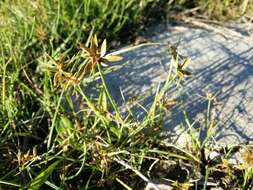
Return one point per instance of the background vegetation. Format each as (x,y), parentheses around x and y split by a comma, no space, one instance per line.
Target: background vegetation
(44,145)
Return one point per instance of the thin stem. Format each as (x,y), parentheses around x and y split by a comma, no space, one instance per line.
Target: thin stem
(54,120)
(96,111)
(91,105)
(3,87)
(108,93)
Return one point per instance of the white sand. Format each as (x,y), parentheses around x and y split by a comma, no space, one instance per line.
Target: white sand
(218,64)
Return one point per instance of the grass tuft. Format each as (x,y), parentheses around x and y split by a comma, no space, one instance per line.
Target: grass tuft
(55,134)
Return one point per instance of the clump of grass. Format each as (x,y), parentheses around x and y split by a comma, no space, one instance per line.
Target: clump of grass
(96,147)
(90,146)
(223,10)
(46,142)
(31,28)
(220,10)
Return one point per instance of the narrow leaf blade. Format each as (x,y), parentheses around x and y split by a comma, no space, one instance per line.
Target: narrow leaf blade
(42,177)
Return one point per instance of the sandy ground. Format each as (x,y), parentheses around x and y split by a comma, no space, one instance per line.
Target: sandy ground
(222,65)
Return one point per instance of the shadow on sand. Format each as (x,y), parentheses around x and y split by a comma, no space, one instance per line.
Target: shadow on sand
(219,65)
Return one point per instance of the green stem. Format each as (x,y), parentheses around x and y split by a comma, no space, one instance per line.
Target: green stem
(54,120)
(96,111)
(208,113)
(108,93)
(3,87)
(91,105)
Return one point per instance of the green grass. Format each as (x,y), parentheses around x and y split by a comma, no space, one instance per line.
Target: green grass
(226,9)
(221,10)
(45,141)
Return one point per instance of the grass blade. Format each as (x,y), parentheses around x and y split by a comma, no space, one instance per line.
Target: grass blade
(42,177)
